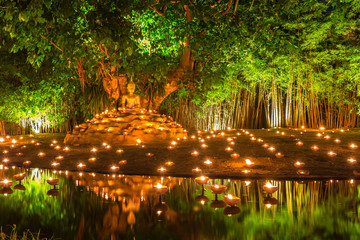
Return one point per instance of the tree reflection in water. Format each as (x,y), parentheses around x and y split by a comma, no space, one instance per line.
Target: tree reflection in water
(97,206)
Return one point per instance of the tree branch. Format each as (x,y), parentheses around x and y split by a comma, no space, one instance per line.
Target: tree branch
(104,50)
(251,5)
(51,42)
(228,9)
(160,12)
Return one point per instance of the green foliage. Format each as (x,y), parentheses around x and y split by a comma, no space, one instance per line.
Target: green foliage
(291,45)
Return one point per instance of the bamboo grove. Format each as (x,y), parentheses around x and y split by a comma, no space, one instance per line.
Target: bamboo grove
(235,63)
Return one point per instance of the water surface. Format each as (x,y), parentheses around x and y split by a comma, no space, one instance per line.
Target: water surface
(98,206)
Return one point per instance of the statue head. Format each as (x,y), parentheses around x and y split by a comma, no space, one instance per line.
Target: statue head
(131,87)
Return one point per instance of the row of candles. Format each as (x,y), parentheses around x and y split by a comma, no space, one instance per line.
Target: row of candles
(202,141)
(229,201)
(6,185)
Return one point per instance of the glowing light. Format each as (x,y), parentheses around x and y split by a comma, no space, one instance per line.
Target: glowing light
(162,169)
(208,162)
(81,165)
(114,167)
(249,162)
(41,154)
(169,163)
(351,160)
(94,150)
(332,154)
(195,153)
(315,148)
(353,146)
(299,164)
(271,149)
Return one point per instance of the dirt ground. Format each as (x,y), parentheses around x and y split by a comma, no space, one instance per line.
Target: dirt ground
(318,164)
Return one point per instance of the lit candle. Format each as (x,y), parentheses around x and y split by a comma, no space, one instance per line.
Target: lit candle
(315,148)
(218,189)
(299,164)
(231,200)
(269,188)
(351,160)
(235,155)
(162,169)
(271,149)
(249,162)
(353,146)
(160,189)
(113,168)
(26,163)
(41,154)
(80,165)
(302,172)
(208,162)
(201,180)
(195,154)
(6,183)
(169,163)
(332,154)
(122,162)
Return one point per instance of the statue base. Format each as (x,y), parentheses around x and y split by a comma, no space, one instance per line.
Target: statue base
(126,127)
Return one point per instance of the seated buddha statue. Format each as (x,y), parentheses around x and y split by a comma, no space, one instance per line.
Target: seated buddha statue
(130,100)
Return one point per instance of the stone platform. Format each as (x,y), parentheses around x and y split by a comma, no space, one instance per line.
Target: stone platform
(126,127)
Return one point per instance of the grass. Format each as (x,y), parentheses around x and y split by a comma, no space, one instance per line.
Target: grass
(14,235)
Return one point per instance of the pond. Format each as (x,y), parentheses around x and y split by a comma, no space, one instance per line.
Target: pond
(102,206)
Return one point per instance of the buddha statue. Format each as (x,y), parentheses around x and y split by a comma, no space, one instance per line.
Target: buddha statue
(131,100)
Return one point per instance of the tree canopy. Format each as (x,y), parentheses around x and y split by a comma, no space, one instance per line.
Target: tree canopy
(300,59)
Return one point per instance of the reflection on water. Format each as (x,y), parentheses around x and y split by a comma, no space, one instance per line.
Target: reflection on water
(70,205)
